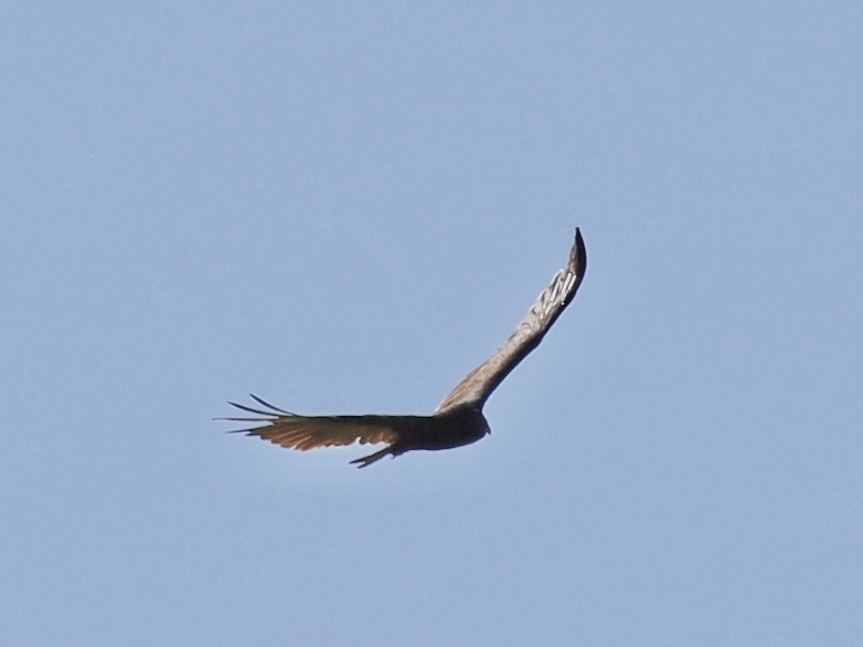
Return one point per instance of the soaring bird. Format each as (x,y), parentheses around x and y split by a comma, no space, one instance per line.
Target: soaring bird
(457,421)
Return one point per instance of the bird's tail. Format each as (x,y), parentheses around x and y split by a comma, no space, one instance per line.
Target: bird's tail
(365,461)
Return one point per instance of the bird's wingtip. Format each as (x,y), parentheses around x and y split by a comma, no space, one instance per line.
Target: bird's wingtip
(578,256)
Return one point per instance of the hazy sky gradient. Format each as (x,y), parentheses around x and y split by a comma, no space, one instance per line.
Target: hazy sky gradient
(344,210)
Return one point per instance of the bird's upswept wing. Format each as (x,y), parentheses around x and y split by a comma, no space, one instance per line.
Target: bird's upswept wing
(307,432)
(480,382)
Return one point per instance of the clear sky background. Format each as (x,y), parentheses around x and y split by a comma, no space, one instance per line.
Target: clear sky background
(344,209)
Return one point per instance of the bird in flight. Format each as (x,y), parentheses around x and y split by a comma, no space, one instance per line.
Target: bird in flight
(457,421)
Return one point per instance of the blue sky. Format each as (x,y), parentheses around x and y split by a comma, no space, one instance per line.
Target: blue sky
(344,210)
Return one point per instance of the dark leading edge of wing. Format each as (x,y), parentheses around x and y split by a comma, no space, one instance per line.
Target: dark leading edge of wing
(479,383)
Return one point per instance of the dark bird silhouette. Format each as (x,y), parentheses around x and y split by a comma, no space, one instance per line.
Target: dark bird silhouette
(457,421)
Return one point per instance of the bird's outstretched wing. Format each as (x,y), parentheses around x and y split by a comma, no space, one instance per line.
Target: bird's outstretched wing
(307,432)
(479,383)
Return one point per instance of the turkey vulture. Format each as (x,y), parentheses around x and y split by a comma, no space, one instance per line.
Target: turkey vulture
(457,421)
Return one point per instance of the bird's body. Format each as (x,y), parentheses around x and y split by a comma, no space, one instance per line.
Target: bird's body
(459,426)
(457,421)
